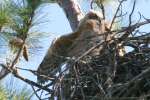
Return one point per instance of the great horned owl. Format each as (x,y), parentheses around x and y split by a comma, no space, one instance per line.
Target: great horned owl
(88,33)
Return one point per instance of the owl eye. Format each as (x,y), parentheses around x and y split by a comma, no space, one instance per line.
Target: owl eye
(93,16)
(98,23)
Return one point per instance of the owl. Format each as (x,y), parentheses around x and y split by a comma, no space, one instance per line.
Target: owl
(90,31)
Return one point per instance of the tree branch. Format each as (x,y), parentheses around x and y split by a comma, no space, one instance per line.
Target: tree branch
(15,73)
(72,11)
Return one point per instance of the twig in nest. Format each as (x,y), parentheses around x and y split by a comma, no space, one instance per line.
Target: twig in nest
(35,92)
(130,16)
(115,16)
(78,81)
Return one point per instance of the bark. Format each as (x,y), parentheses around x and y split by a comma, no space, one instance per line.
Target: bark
(72,11)
(3,72)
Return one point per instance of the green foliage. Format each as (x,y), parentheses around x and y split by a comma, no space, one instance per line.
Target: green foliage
(103,1)
(33,4)
(51,1)
(5,15)
(17,17)
(16,90)
(18,20)
(12,93)
(22,94)
(3,94)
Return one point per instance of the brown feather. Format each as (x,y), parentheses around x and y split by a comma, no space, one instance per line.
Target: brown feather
(73,45)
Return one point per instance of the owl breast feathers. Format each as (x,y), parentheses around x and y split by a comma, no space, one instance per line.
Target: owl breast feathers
(89,33)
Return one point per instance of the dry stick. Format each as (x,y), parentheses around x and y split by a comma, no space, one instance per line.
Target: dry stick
(101,5)
(129,29)
(91,4)
(35,73)
(99,86)
(14,72)
(115,62)
(130,16)
(103,11)
(132,89)
(41,93)
(0,28)
(5,72)
(100,43)
(119,98)
(130,20)
(72,11)
(78,81)
(35,92)
(116,14)
(88,51)
(142,37)
(142,74)
(132,27)
(132,42)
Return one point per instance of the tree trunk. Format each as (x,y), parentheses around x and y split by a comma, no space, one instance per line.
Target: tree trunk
(72,11)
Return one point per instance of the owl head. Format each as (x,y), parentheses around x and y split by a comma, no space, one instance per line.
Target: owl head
(91,21)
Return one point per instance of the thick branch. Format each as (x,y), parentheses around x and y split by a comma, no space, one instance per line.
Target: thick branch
(14,72)
(5,72)
(72,11)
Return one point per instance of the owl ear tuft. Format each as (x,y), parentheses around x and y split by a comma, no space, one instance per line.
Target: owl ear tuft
(93,12)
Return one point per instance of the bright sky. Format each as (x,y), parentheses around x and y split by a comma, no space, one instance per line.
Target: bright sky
(59,25)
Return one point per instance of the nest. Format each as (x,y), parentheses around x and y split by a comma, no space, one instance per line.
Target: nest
(107,76)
